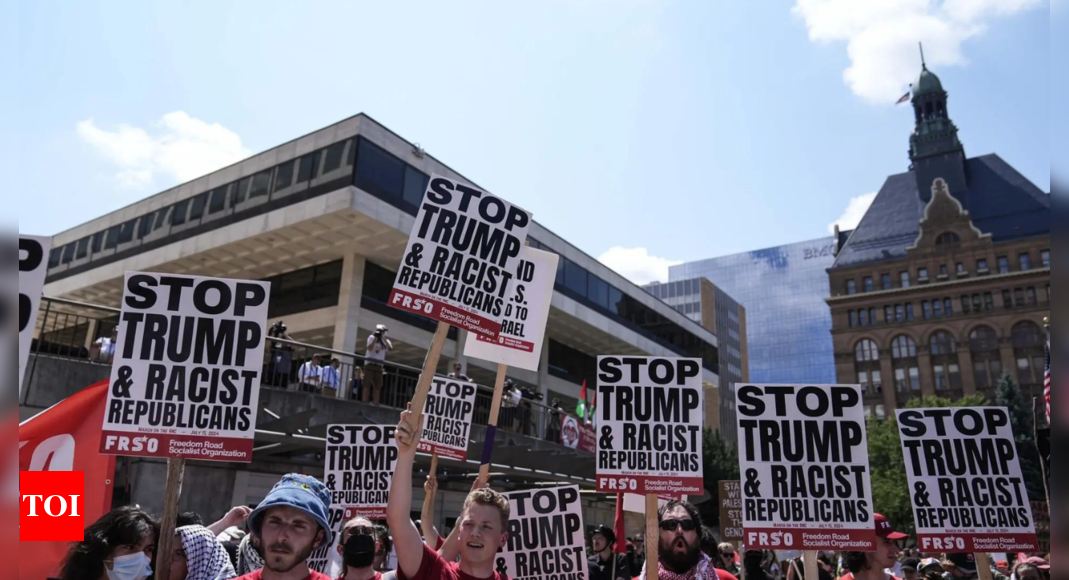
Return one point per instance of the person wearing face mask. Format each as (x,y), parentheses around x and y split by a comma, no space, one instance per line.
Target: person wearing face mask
(118,546)
(358,548)
(197,555)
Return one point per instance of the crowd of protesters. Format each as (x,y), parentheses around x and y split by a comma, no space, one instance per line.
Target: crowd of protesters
(275,540)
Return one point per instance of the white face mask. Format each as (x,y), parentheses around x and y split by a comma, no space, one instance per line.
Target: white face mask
(130,567)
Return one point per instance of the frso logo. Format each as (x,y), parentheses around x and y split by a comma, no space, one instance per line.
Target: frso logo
(51,506)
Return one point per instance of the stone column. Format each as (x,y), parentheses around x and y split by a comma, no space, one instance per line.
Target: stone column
(890,402)
(968,379)
(924,361)
(347,320)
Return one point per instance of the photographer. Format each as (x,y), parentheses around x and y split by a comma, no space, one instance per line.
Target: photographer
(374,364)
(553,422)
(526,409)
(510,402)
(280,365)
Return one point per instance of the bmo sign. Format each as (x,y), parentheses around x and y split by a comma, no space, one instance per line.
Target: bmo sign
(50,506)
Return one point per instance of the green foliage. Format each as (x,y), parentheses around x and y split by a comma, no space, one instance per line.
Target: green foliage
(721,462)
(1008,395)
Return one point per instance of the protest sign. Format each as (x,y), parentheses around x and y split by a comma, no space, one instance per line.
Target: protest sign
(519,344)
(575,435)
(803,454)
(33,266)
(185,383)
(449,412)
(649,433)
(965,481)
(325,559)
(461,256)
(730,511)
(359,467)
(546,536)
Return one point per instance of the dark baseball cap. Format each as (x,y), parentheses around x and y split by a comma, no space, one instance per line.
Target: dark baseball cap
(966,563)
(884,529)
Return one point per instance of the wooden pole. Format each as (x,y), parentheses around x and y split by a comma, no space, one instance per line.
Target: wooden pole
(176,469)
(653,537)
(983,566)
(428,501)
(491,425)
(812,565)
(430,368)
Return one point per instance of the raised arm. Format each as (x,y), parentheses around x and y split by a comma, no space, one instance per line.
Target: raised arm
(406,538)
(426,517)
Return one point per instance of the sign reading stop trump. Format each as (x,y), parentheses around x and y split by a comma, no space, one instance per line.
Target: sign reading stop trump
(186,378)
(649,425)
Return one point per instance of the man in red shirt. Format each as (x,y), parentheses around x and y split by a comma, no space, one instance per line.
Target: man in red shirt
(483,523)
(873,565)
(291,522)
(358,546)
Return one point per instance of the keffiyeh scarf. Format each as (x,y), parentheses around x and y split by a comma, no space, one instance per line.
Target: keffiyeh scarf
(703,571)
(249,560)
(206,558)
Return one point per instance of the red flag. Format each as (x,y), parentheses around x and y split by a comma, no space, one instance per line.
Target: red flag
(66,438)
(618,526)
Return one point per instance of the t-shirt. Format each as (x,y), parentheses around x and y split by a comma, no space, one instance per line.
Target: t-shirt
(312,576)
(377,576)
(376,349)
(434,567)
(603,570)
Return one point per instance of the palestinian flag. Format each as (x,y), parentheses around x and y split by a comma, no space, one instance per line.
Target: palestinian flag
(580,410)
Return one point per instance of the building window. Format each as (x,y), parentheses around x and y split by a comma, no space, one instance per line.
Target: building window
(977,303)
(943,271)
(866,351)
(869,286)
(948,307)
(240,191)
(903,276)
(1026,261)
(965,304)
(306,167)
(853,318)
(1045,256)
(922,275)
(415,186)
(68,253)
(333,157)
(885,281)
(981,266)
(947,238)
(144,226)
(926,309)
(851,287)
(888,314)
(900,313)
(196,208)
(1030,296)
(987,364)
(909,312)
(867,366)
(907,373)
(1029,350)
(217,203)
(284,175)
(111,238)
(1018,297)
(97,242)
(261,184)
(378,172)
(1003,265)
(961,269)
(1007,299)
(83,249)
(937,308)
(989,302)
(863,317)
(945,367)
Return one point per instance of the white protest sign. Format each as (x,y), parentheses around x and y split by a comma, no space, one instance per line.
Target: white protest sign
(185,382)
(519,344)
(449,412)
(326,559)
(546,536)
(965,480)
(461,256)
(359,468)
(804,459)
(33,266)
(649,425)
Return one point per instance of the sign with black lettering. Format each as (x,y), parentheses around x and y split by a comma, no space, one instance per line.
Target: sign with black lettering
(33,266)
(185,382)
(449,412)
(546,536)
(804,458)
(461,257)
(731,511)
(519,344)
(965,480)
(325,559)
(359,467)
(649,425)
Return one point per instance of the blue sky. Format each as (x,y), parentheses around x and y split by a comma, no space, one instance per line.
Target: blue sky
(645,131)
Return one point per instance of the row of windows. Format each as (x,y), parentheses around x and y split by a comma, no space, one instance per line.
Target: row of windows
(674,289)
(1024,335)
(868,283)
(976,303)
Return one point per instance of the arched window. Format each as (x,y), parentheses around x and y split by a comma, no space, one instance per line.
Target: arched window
(986,362)
(1029,350)
(947,238)
(867,365)
(945,367)
(904,361)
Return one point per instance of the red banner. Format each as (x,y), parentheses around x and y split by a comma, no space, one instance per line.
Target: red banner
(973,543)
(131,444)
(576,435)
(807,539)
(66,438)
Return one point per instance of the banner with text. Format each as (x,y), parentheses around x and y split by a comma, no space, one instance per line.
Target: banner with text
(519,344)
(33,266)
(965,479)
(325,559)
(546,536)
(461,257)
(186,378)
(804,459)
(575,435)
(649,425)
(730,511)
(449,412)
(359,468)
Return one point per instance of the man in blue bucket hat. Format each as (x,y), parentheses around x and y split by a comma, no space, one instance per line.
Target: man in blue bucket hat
(291,522)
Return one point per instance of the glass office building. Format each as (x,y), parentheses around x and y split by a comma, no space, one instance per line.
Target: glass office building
(783,289)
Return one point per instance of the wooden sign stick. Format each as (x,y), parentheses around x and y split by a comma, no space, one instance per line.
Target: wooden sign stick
(430,368)
(491,425)
(176,469)
(812,570)
(428,501)
(983,566)
(653,537)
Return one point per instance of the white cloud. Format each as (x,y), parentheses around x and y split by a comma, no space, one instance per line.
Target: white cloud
(637,265)
(882,36)
(855,210)
(178,149)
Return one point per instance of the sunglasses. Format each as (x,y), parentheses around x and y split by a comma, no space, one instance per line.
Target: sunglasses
(728,555)
(673,525)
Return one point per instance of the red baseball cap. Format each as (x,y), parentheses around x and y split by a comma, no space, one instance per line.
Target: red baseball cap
(884,529)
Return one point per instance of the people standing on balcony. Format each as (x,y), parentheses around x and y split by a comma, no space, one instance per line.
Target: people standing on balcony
(332,378)
(311,375)
(553,424)
(374,364)
(281,363)
(458,373)
(510,403)
(106,346)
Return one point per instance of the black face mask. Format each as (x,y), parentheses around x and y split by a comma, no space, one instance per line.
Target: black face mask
(359,551)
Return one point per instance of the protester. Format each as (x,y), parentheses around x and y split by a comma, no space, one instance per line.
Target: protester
(197,555)
(910,569)
(872,565)
(118,546)
(358,547)
(1028,570)
(963,567)
(483,523)
(383,552)
(356,385)
(332,378)
(250,555)
(930,569)
(458,373)
(638,560)
(728,555)
(753,563)
(606,564)
(291,522)
(374,364)
(105,346)
(679,546)
(310,376)
(1003,566)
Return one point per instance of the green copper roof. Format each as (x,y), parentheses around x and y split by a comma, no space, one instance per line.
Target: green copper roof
(927,83)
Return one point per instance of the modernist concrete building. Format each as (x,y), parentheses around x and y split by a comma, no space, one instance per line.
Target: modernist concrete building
(325,219)
(944,285)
